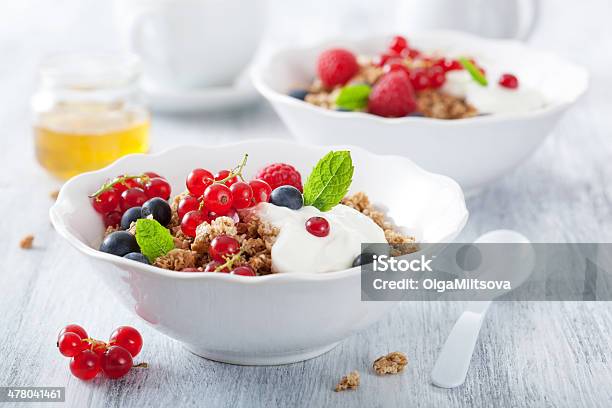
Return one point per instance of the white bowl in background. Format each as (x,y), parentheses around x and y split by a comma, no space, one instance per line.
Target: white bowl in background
(271,319)
(473,151)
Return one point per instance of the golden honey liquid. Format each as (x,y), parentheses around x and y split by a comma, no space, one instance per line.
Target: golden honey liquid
(74,138)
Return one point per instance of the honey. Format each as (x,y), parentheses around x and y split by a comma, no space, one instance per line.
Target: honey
(73,139)
(88,112)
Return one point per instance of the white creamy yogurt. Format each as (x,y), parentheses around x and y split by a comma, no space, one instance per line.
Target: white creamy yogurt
(297,250)
(492,98)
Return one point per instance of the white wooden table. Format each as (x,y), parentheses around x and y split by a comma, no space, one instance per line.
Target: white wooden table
(529,354)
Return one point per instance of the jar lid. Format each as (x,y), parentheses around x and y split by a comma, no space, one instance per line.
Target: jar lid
(87,70)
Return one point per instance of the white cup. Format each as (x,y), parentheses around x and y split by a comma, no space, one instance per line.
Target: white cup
(488,18)
(191,43)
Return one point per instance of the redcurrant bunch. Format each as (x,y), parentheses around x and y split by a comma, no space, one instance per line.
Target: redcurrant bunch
(118,195)
(89,356)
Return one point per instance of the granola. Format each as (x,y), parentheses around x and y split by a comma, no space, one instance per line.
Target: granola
(392,363)
(348,382)
(27,242)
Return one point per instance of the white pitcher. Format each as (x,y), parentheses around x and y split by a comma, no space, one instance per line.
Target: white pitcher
(489,18)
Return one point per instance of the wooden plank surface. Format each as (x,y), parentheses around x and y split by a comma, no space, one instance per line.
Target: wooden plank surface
(529,353)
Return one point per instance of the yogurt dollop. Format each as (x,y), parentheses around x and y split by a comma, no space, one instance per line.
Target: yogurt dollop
(492,98)
(297,250)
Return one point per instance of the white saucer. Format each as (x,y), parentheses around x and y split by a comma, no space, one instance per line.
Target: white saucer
(176,100)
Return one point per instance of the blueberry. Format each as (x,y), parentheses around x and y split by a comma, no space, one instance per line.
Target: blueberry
(138,257)
(119,243)
(364,259)
(298,94)
(159,208)
(287,196)
(131,215)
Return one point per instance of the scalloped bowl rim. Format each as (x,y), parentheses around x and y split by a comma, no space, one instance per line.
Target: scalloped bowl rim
(258,80)
(64,231)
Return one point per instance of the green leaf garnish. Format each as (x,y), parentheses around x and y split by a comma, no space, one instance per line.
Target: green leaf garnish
(154,240)
(329,181)
(474,71)
(353,97)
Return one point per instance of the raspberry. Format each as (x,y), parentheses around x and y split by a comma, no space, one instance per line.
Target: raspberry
(392,96)
(336,67)
(280,174)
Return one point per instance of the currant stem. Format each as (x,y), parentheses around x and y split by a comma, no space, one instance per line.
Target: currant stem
(141,365)
(229,261)
(236,171)
(118,180)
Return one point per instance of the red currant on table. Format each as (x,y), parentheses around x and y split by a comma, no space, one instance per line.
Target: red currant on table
(116,362)
(74,328)
(261,191)
(133,197)
(127,337)
(85,365)
(317,226)
(398,44)
(191,220)
(112,219)
(242,195)
(70,344)
(186,204)
(223,246)
(244,270)
(157,187)
(509,81)
(198,180)
(218,198)
(223,174)
(106,202)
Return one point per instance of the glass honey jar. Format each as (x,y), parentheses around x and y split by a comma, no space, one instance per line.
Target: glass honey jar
(88,112)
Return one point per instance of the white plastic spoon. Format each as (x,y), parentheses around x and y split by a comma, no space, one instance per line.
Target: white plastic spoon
(453,363)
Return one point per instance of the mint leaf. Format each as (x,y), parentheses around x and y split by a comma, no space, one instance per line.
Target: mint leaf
(474,71)
(154,240)
(353,97)
(329,181)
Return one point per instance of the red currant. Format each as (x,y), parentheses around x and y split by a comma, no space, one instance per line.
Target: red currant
(133,197)
(98,347)
(244,271)
(223,246)
(127,337)
(106,202)
(157,187)
(396,66)
(70,344)
(74,328)
(317,226)
(411,53)
(449,64)
(261,191)
(129,183)
(383,59)
(398,44)
(218,198)
(151,175)
(223,174)
(186,204)
(198,180)
(112,219)
(213,265)
(242,195)
(509,81)
(85,365)
(419,80)
(436,77)
(116,362)
(191,220)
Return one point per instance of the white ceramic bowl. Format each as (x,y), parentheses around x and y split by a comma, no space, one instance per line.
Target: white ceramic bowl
(272,319)
(473,151)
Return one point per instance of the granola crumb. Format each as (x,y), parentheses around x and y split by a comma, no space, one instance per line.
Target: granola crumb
(348,382)
(392,363)
(53,194)
(206,232)
(27,241)
(177,259)
(439,105)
